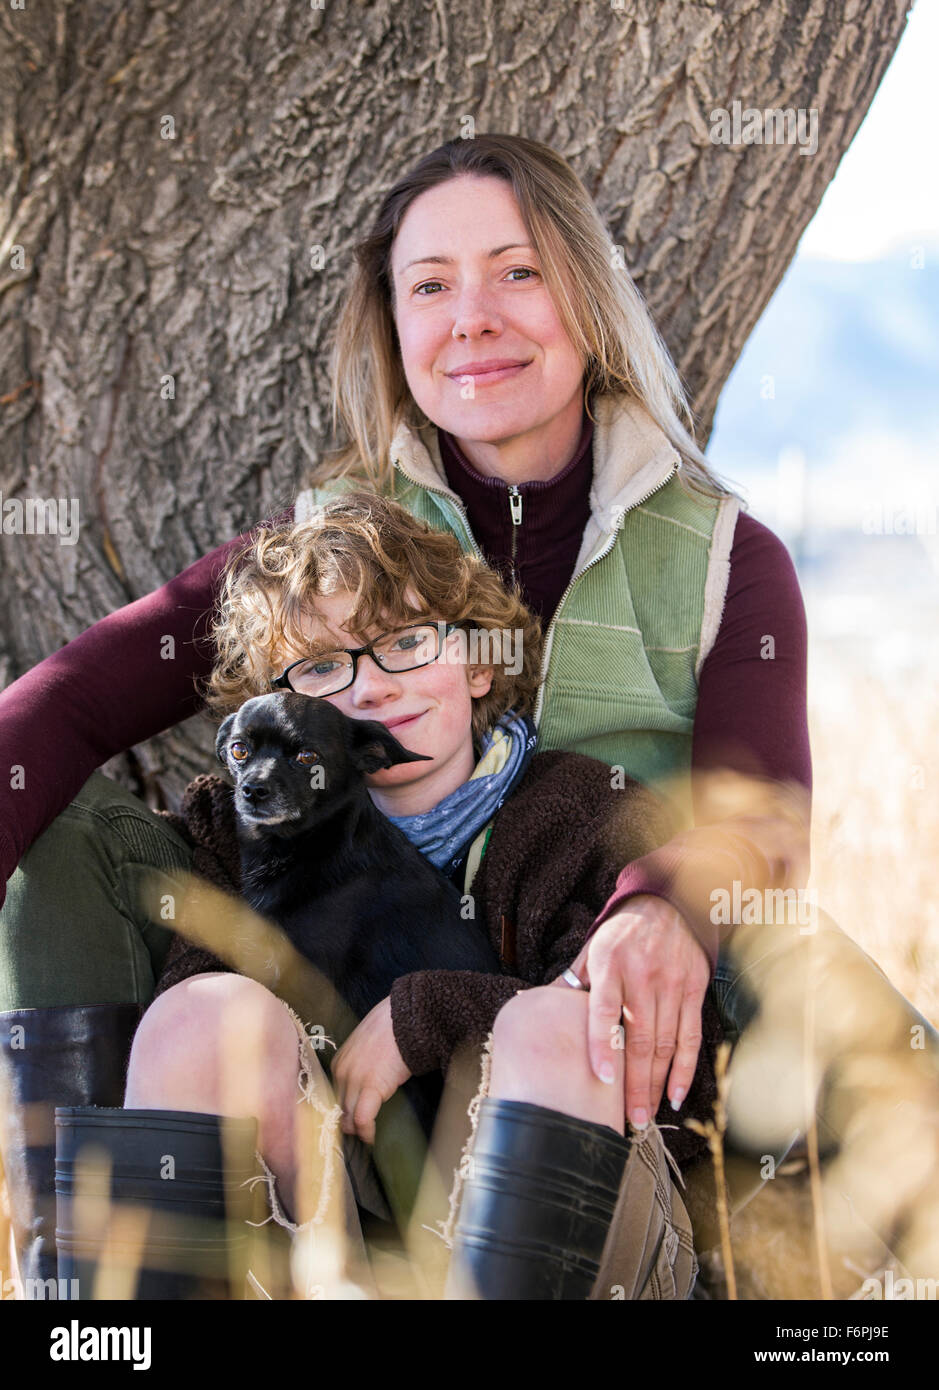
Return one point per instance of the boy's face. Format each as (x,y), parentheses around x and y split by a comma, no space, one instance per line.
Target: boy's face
(429,710)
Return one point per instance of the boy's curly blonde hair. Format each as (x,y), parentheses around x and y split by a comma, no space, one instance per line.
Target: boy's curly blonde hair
(399,570)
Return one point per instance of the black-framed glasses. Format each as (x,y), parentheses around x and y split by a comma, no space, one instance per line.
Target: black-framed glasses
(405,649)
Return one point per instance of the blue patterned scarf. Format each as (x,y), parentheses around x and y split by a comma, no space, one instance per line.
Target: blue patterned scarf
(445,831)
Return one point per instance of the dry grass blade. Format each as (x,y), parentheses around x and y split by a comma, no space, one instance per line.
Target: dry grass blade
(714,1131)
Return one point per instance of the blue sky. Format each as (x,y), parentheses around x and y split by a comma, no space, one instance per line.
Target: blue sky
(847,436)
(839,382)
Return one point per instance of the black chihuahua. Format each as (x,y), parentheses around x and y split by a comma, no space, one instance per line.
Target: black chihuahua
(319,859)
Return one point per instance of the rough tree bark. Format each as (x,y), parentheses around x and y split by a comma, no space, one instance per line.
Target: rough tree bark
(167,169)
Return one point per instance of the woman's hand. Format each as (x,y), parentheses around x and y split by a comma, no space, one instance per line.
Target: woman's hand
(645,958)
(367,1070)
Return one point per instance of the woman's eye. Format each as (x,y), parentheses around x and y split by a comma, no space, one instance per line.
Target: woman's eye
(407,642)
(239,751)
(306,756)
(517,270)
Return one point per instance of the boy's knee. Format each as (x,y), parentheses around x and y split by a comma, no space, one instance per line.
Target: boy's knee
(211,1036)
(541,1023)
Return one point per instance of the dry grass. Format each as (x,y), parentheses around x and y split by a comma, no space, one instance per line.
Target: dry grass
(875,833)
(875,750)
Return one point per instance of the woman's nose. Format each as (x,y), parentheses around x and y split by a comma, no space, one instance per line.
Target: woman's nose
(475,312)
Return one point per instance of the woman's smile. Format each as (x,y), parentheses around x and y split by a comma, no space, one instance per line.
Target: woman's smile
(486,373)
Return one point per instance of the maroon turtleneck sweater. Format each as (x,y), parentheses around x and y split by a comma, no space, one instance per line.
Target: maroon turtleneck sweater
(106,691)
(541,545)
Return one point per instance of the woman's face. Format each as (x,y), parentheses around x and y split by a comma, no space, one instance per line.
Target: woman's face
(468,293)
(429,710)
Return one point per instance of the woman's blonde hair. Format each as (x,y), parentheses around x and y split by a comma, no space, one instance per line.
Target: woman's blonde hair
(606,318)
(399,571)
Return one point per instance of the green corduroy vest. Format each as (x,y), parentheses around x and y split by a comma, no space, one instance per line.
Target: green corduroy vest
(627,641)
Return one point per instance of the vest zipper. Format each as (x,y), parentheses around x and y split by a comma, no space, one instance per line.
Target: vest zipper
(452,498)
(515,506)
(549,635)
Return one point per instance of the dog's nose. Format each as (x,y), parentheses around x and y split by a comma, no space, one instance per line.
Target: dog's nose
(254,791)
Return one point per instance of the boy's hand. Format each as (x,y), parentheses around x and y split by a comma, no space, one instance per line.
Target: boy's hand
(367,1070)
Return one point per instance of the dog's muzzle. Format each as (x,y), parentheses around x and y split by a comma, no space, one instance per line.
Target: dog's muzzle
(264,803)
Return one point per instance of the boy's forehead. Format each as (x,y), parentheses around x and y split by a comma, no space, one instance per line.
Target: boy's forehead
(329,629)
(324,620)
(318,625)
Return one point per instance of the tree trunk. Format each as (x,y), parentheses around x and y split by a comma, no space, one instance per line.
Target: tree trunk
(167,170)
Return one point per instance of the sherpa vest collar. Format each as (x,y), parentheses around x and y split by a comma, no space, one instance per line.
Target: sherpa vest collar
(626,644)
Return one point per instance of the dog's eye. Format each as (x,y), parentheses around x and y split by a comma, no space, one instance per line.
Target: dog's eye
(239,751)
(306,756)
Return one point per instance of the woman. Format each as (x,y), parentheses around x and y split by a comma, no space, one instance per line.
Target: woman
(497,371)
(551,833)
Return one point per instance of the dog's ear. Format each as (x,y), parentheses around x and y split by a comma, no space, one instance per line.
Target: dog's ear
(221,739)
(372,747)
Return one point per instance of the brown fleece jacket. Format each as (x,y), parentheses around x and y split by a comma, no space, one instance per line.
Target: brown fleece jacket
(551,864)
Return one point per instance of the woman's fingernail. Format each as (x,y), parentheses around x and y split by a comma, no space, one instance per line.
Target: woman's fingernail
(678,1097)
(639,1118)
(606,1073)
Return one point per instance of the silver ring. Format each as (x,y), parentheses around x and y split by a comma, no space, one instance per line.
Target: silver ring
(571,979)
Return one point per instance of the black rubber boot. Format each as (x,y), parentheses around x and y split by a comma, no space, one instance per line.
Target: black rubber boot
(174,1195)
(537,1204)
(69,1055)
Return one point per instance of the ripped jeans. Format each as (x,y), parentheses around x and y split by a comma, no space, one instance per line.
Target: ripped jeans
(649,1253)
(72,933)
